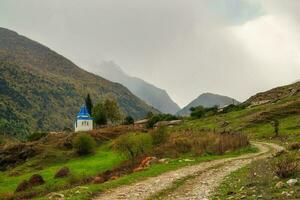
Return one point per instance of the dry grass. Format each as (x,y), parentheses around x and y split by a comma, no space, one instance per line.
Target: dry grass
(201,143)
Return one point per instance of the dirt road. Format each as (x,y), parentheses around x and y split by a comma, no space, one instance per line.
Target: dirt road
(201,181)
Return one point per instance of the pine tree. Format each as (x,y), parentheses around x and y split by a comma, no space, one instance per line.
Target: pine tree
(89,104)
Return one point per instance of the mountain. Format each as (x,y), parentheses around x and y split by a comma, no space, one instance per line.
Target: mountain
(42,90)
(152,95)
(207,100)
(275,94)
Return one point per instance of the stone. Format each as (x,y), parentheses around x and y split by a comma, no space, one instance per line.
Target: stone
(292,182)
(98,180)
(114,177)
(36,180)
(56,196)
(279,185)
(63,172)
(23,186)
(163,161)
(286,194)
(138,169)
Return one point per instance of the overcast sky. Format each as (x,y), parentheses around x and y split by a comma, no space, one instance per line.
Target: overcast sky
(187,47)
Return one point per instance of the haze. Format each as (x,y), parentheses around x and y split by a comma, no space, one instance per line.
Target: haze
(231,47)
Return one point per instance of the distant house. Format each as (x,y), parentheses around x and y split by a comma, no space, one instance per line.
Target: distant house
(141,123)
(84,122)
(168,123)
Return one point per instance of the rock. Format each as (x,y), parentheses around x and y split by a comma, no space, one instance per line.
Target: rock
(36,180)
(286,194)
(292,182)
(146,162)
(24,185)
(16,154)
(163,161)
(56,196)
(114,177)
(98,180)
(63,172)
(279,185)
(138,169)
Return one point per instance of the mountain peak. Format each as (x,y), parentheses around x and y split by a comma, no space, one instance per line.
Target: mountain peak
(154,96)
(207,100)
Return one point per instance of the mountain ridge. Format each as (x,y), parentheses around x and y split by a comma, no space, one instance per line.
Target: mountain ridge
(42,90)
(207,100)
(150,93)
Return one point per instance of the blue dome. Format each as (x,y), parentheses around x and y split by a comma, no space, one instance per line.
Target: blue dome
(84,114)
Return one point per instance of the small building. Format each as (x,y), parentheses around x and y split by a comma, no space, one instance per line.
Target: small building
(141,123)
(84,122)
(168,123)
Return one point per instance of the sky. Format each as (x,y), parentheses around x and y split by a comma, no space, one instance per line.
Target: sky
(187,47)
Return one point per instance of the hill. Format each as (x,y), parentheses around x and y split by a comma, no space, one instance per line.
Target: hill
(255,116)
(152,95)
(207,100)
(42,90)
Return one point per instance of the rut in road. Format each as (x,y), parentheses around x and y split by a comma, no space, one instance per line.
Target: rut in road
(208,176)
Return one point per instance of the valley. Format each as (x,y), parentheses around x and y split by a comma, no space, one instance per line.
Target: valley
(130,140)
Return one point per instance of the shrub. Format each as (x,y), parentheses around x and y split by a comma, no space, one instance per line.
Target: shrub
(128,120)
(294,146)
(133,145)
(286,166)
(36,136)
(160,117)
(63,172)
(183,145)
(159,136)
(200,111)
(199,143)
(84,144)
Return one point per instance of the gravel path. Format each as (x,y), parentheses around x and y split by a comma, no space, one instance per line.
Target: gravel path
(208,176)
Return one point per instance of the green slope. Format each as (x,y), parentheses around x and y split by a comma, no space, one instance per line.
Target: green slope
(42,90)
(283,105)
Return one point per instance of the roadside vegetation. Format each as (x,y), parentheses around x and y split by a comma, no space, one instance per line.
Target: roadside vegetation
(95,158)
(274,178)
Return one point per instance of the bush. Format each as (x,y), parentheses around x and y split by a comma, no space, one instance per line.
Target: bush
(160,117)
(128,120)
(133,145)
(183,145)
(286,166)
(36,136)
(200,111)
(199,143)
(84,144)
(294,146)
(159,136)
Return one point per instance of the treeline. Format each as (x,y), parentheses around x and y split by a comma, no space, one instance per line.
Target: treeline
(200,111)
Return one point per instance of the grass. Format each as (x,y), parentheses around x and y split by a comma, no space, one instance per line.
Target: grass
(255,181)
(82,193)
(104,159)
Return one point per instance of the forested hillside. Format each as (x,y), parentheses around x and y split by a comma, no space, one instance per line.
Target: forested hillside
(42,90)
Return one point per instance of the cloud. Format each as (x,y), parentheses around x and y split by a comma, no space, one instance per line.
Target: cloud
(231,47)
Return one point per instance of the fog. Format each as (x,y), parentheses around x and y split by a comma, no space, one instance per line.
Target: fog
(187,47)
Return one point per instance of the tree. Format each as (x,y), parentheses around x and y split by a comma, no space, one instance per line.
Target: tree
(128,120)
(197,112)
(99,114)
(107,111)
(275,124)
(89,104)
(113,112)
